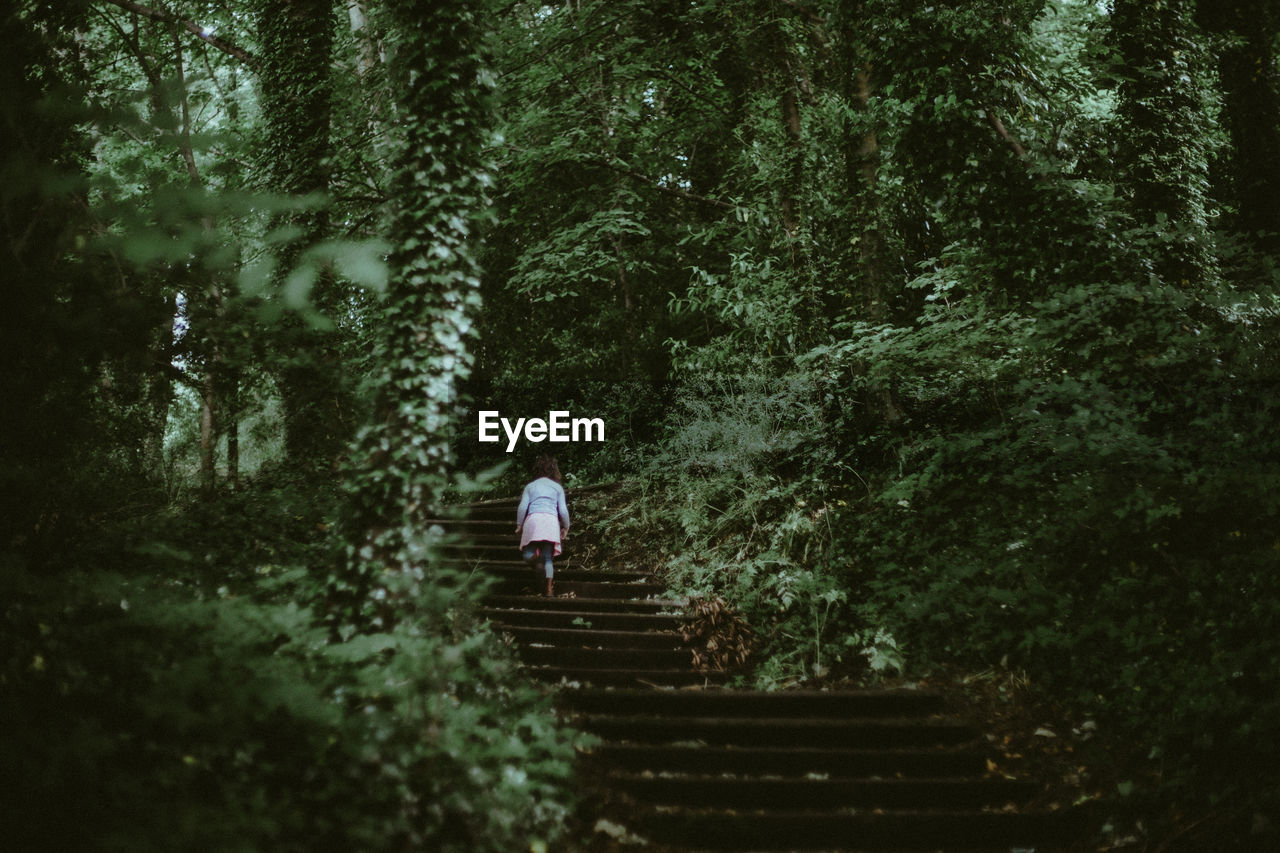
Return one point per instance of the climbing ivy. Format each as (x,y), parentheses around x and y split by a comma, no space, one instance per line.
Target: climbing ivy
(400,460)
(294,73)
(1167,131)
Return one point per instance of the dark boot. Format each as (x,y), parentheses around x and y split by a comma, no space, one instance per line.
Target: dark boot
(551,588)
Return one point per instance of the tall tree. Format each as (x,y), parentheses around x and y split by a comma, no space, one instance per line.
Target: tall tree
(401,458)
(44,383)
(1249,76)
(1165,134)
(296,39)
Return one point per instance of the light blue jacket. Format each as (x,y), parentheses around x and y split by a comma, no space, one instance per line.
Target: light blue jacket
(544,495)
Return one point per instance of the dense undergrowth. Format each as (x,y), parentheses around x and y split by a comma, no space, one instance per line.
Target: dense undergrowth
(1125,572)
(170,687)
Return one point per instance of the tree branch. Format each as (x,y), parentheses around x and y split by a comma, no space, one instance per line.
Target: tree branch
(645,179)
(1003,133)
(191,27)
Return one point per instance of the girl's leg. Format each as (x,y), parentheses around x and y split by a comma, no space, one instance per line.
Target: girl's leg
(530,554)
(548,570)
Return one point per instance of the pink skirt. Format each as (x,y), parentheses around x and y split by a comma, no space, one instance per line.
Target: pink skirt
(541,527)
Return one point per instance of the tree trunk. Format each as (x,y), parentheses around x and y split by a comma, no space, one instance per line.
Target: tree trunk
(232,428)
(402,460)
(208,426)
(862,166)
(368,53)
(1250,85)
(158,392)
(865,216)
(1165,150)
(296,94)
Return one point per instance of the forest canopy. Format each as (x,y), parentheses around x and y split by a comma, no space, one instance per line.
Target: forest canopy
(925,334)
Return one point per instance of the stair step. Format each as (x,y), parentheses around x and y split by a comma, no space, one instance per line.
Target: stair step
(470,548)
(883,829)
(594,638)
(745,703)
(523,572)
(602,677)
(698,766)
(488,536)
(496,511)
(583,604)
(792,761)
(834,733)
(619,658)
(512,561)
(478,524)
(564,619)
(583,589)
(719,792)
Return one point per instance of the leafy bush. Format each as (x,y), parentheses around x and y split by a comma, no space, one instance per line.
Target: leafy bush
(743,476)
(1083,487)
(165,713)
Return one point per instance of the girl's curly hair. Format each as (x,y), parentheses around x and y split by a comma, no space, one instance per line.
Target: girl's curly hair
(545,466)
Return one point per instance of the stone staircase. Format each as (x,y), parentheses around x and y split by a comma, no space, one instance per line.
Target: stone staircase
(687,764)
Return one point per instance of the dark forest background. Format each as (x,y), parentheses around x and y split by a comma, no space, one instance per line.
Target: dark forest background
(927,335)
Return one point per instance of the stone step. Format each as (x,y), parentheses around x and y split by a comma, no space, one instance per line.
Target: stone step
(696,766)
(853,830)
(582,589)
(503,510)
(522,571)
(513,561)
(747,703)
(584,619)
(618,677)
(461,546)
(618,658)
(492,534)
(595,638)
(505,546)
(509,548)
(718,792)
(834,733)
(788,761)
(582,603)
(464,525)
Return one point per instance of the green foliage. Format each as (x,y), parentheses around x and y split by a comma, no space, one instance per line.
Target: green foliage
(175,675)
(1029,423)
(938,333)
(736,478)
(163,716)
(1065,490)
(49,335)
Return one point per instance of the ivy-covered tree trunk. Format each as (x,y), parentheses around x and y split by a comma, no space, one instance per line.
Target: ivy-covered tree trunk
(1165,136)
(401,459)
(1250,82)
(296,93)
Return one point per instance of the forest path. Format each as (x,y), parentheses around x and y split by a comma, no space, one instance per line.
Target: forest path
(685,763)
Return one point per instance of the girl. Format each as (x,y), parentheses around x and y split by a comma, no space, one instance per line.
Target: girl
(542,519)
